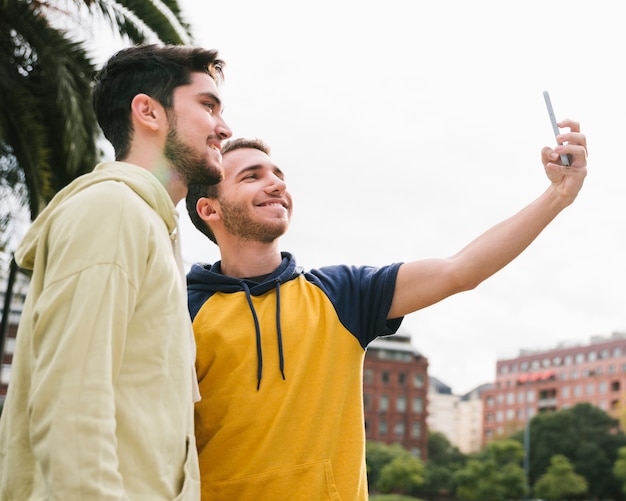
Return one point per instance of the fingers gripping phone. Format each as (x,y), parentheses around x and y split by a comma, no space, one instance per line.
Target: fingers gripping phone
(564,158)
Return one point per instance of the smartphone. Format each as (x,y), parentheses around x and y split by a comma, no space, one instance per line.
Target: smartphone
(564,158)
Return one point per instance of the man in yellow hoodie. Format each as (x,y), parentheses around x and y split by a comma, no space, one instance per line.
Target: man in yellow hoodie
(100,402)
(280,349)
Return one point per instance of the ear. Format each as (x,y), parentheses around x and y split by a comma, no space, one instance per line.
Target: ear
(207,209)
(146,112)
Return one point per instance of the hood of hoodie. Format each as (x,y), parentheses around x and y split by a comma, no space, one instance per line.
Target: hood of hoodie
(206,279)
(140,180)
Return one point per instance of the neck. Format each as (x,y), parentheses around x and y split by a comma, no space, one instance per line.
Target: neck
(244,259)
(162,170)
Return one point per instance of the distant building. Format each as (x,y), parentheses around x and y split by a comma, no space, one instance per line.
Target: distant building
(470,427)
(14,312)
(443,411)
(540,381)
(395,385)
(458,417)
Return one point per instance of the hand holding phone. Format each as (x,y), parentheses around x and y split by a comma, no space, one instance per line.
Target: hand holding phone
(564,158)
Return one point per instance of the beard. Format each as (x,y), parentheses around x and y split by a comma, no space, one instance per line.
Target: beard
(239,224)
(193,167)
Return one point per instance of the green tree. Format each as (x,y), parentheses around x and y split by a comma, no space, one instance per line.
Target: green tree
(377,455)
(619,467)
(48,131)
(560,482)
(494,474)
(587,436)
(444,459)
(403,475)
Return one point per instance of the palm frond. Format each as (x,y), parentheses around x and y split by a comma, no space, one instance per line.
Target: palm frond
(144,20)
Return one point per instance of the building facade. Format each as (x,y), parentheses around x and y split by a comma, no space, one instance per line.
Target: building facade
(540,381)
(458,417)
(13,288)
(395,387)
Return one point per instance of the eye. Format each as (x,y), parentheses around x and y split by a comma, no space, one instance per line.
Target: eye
(210,106)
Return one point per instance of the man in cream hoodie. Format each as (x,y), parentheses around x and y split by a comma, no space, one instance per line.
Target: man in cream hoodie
(100,402)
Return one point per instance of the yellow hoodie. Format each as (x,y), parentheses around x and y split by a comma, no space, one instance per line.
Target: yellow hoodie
(100,402)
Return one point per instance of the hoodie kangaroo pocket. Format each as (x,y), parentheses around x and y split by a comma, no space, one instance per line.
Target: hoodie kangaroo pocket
(191,472)
(304,482)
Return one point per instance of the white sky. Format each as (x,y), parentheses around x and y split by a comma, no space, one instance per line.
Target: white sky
(407,128)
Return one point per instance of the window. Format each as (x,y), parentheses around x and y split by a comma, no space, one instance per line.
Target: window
(368,376)
(384,377)
(590,389)
(418,380)
(383,404)
(568,360)
(401,378)
(615,386)
(382,427)
(578,390)
(418,405)
(592,356)
(398,429)
(580,358)
(565,392)
(401,403)
(416,429)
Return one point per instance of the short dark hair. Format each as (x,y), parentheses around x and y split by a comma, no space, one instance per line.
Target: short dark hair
(155,70)
(198,191)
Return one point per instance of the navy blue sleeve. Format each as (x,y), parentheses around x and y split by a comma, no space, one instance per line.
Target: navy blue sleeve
(362,297)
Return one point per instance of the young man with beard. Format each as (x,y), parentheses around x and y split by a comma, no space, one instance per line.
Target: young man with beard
(280,350)
(100,402)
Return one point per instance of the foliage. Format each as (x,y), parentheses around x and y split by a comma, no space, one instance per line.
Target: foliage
(48,130)
(587,436)
(444,459)
(392,497)
(560,482)
(392,469)
(403,475)
(619,467)
(494,474)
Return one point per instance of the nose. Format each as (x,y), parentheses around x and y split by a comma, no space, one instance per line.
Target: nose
(276,185)
(222,129)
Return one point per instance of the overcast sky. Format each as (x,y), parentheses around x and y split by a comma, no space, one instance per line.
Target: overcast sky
(407,128)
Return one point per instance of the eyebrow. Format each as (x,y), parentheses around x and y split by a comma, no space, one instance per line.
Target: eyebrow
(257,167)
(211,95)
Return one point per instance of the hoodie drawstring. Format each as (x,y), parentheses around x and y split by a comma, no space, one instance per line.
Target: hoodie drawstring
(281,358)
(257,328)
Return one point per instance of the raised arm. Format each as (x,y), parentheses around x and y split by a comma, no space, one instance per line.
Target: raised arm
(425,282)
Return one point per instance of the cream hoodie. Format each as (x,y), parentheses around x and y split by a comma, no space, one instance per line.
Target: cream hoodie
(99,404)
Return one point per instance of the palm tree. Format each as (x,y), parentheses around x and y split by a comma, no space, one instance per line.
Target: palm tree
(48,130)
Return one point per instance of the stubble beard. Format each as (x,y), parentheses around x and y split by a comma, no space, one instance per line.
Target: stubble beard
(190,165)
(237,222)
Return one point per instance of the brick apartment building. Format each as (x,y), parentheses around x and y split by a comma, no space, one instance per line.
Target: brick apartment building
(395,389)
(13,310)
(558,378)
